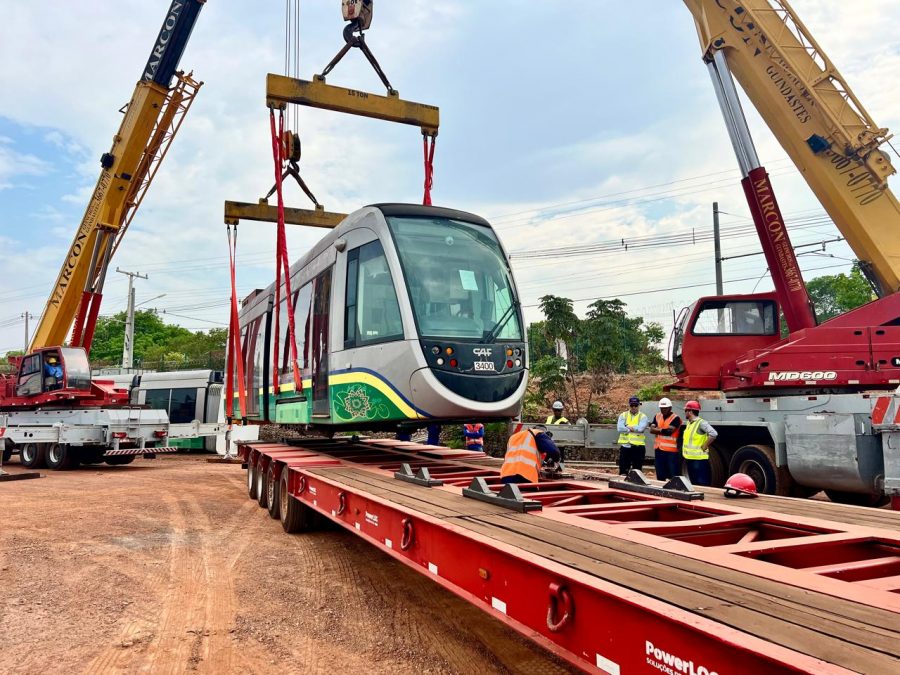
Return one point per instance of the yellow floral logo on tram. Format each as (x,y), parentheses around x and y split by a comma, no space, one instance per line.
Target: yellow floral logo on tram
(359,401)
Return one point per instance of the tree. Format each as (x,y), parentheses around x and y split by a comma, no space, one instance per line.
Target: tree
(157,344)
(835,294)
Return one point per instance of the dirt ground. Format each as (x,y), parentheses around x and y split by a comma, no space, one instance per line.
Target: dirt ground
(165,566)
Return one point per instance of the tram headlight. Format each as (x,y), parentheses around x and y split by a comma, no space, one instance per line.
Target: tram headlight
(440,362)
(435,350)
(518,352)
(518,362)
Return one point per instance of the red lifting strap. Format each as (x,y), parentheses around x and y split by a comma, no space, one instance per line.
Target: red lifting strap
(429,166)
(235,355)
(282,262)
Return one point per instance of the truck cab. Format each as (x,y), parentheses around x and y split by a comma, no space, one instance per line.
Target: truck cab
(53,369)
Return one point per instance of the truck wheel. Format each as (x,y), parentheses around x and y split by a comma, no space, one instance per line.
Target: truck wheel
(7,453)
(262,495)
(295,515)
(273,486)
(61,457)
(120,460)
(758,462)
(716,468)
(33,455)
(857,498)
(251,479)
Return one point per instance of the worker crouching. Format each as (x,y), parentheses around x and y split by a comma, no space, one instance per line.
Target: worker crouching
(525,452)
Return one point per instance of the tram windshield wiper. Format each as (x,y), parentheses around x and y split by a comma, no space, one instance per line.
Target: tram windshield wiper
(491,335)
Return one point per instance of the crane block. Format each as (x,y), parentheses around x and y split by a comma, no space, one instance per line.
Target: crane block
(264,212)
(281,90)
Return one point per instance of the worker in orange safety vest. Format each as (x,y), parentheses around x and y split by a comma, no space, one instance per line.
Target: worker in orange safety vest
(525,452)
(666,427)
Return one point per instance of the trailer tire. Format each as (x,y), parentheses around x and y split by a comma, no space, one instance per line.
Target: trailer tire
(262,495)
(716,467)
(857,498)
(119,460)
(251,479)
(758,462)
(33,455)
(273,488)
(295,515)
(61,457)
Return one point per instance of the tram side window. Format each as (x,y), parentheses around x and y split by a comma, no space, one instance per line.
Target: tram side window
(372,310)
(158,399)
(258,356)
(183,406)
(302,299)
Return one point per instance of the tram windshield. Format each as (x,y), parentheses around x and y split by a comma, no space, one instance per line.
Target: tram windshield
(457,277)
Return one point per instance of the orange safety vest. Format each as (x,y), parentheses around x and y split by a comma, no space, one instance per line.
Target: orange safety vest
(474,429)
(666,443)
(522,457)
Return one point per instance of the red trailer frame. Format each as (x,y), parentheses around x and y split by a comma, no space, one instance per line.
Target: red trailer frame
(592,623)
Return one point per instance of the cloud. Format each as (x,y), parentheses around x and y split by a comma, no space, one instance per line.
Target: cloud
(547,129)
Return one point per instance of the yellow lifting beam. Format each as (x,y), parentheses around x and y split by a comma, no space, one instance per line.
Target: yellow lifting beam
(266,213)
(281,90)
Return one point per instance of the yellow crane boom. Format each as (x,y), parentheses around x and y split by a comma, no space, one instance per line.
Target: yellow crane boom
(817,119)
(152,119)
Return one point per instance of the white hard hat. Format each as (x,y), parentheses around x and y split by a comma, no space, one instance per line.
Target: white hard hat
(665,403)
(557,405)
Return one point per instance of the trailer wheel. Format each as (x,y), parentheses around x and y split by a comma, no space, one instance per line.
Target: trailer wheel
(295,515)
(251,479)
(857,498)
(262,495)
(758,462)
(119,460)
(273,487)
(716,467)
(61,457)
(33,455)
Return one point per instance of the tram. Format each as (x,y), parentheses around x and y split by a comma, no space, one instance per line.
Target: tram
(403,315)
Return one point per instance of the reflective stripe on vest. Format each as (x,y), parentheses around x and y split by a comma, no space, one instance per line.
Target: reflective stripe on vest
(666,443)
(561,420)
(477,441)
(522,457)
(628,437)
(694,438)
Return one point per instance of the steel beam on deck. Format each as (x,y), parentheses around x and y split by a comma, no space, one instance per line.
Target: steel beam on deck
(266,213)
(281,90)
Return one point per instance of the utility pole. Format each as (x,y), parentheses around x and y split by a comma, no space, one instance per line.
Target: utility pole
(27,316)
(128,344)
(718,243)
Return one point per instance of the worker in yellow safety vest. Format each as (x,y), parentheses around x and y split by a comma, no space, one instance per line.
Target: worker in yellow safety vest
(557,416)
(665,427)
(632,445)
(698,435)
(526,450)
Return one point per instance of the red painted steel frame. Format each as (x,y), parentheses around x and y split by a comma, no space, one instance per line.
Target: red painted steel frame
(610,628)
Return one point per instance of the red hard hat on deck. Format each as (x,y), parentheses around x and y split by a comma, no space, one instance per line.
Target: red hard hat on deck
(692,405)
(740,485)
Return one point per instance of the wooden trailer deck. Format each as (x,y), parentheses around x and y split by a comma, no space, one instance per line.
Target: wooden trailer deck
(802,586)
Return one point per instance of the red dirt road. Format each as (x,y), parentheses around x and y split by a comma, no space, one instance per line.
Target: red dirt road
(165,566)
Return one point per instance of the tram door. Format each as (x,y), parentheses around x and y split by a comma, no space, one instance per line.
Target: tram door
(319,345)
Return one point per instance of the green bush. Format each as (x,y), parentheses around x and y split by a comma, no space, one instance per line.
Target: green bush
(652,392)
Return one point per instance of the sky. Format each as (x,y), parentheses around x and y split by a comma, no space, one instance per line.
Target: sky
(564,124)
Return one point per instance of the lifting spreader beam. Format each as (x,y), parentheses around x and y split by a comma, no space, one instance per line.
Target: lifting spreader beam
(266,213)
(281,90)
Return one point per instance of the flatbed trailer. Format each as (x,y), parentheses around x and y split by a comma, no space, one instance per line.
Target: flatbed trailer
(612,580)
(62,438)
